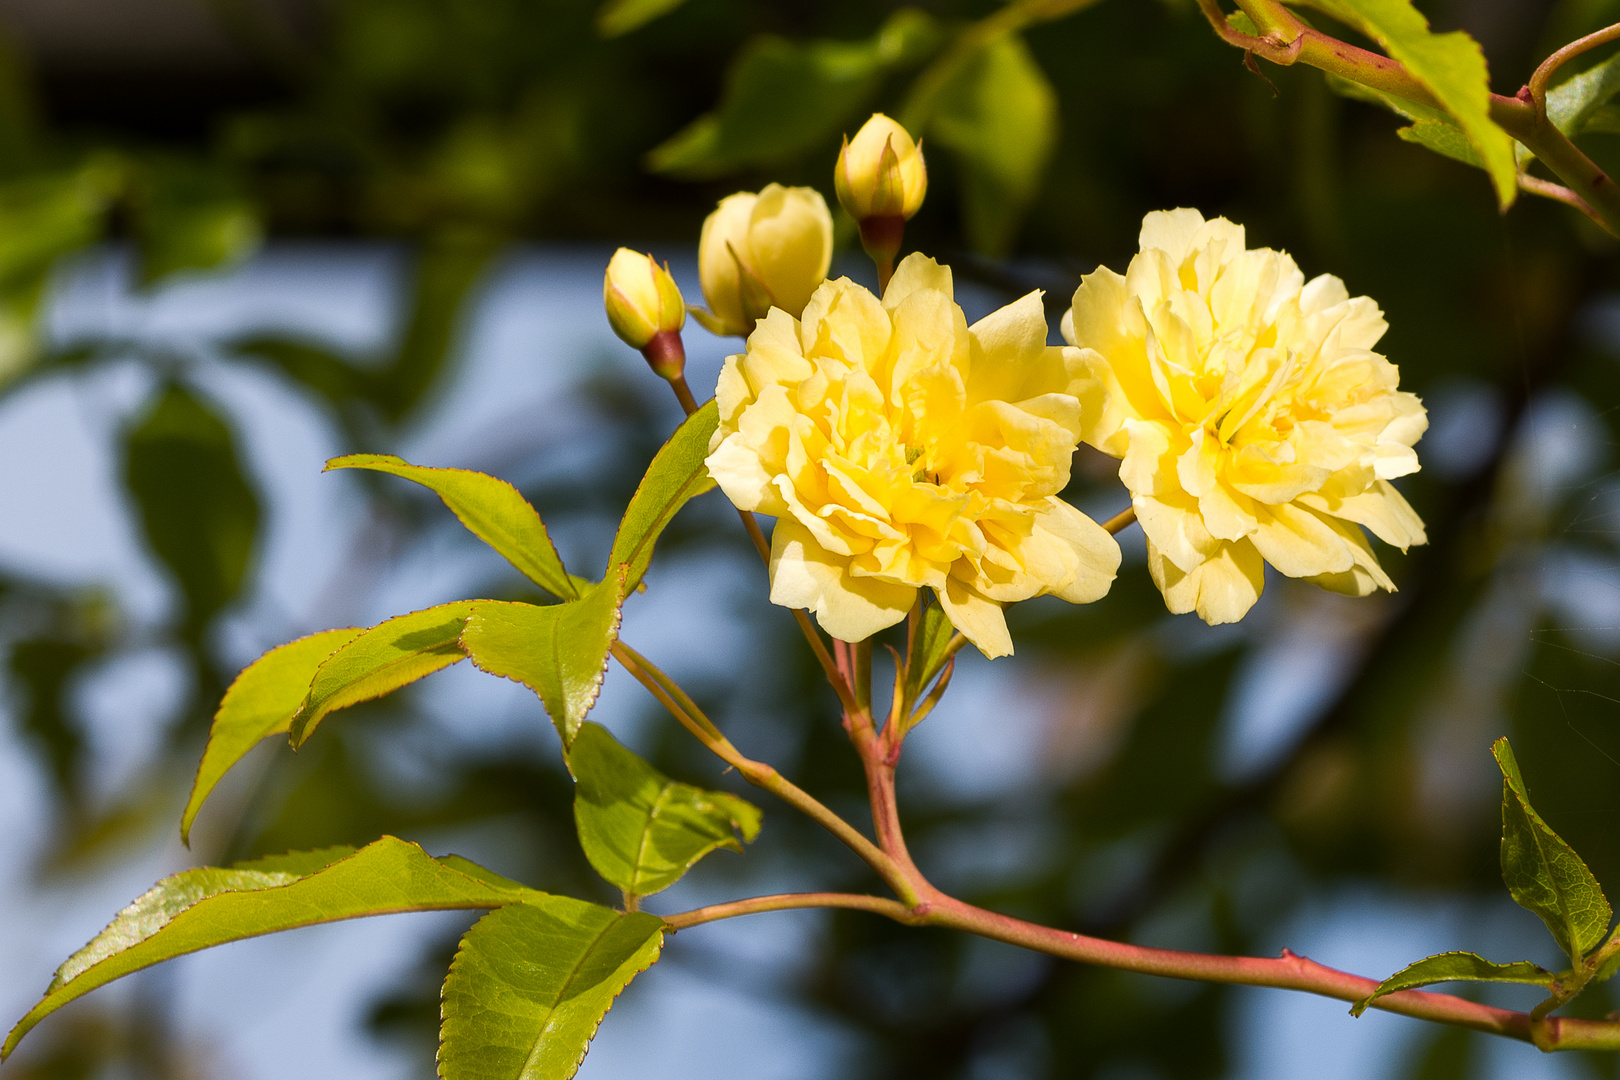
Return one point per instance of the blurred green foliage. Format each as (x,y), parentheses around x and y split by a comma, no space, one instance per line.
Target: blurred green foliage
(461,127)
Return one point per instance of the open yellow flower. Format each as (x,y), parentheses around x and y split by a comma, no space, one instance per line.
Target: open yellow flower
(900,448)
(1254,419)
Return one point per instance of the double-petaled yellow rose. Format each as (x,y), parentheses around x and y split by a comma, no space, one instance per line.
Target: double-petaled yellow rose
(1252,416)
(901,449)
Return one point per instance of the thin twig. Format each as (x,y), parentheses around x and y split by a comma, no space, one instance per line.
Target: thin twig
(1549,67)
(1534,185)
(788,902)
(1120,521)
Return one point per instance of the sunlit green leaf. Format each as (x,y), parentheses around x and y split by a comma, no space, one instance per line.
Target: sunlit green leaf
(677,474)
(492,509)
(260,703)
(197,909)
(1443,138)
(782,97)
(640,829)
(1450,66)
(381,660)
(1455,967)
(617,17)
(531,982)
(197,509)
(1543,873)
(998,118)
(560,652)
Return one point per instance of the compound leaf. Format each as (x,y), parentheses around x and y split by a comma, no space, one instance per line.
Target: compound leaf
(492,510)
(197,909)
(381,660)
(676,475)
(531,982)
(1542,872)
(1455,967)
(1451,67)
(261,702)
(560,652)
(641,830)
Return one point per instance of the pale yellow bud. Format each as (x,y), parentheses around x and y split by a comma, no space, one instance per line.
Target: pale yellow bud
(762,251)
(880,173)
(642,300)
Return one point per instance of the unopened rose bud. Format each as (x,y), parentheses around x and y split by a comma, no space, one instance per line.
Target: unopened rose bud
(880,172)
(642,300)
(762,251)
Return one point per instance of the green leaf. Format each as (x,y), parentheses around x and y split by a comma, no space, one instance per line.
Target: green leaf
(998,117)
(197,509)
(1455,967)
(492,509)
(1444,138)
(782,98)
(531,982)
(1450,66)
(618,17)
(197,909)
(560,652)
(640,829)
(190,217)
(260,703)
(381,660)
(1572,102)
(677,474)
(1543,873)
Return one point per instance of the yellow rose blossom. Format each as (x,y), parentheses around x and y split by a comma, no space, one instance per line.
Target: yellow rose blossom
(900,449)
(1252,416)
(762,251)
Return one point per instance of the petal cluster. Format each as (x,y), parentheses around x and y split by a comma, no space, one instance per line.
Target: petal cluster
(901,449)
(1254,419)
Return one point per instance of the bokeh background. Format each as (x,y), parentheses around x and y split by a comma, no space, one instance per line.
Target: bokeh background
(238,237)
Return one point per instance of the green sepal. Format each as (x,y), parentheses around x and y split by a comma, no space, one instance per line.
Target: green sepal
(641,830)
(1455,967)
(560,652)
(493,510)
(1543,873)
(261,702)
(379,661)
(928,651)
(531,982)
(677,474)
(208,906)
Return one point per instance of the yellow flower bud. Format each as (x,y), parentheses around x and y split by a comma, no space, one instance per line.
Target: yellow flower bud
(762,251)
(642,300)
(881,173)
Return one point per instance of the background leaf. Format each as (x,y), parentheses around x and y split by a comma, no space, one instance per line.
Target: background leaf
(782,98)
(381,660)
(492,509)
(1451,67)
(560,652)
(1572,103)
(998,117)
(187,216)
(531,982)
(197,909)
(198,512)
(260,703)
(677,474)
(1543,873)
(1454,967)
(616,17)
(640,829)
